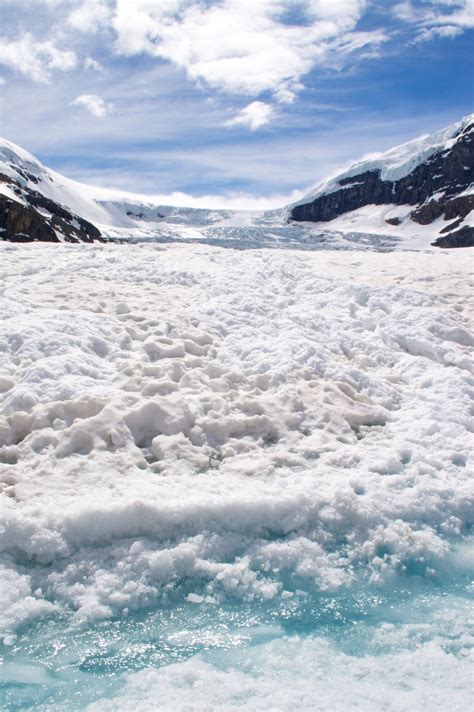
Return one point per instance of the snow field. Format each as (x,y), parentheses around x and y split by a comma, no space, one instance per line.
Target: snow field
(217,425)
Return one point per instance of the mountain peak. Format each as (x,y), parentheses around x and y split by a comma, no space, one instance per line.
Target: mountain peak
(428,179)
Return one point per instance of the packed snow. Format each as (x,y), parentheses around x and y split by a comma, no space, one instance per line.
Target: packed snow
(235,479)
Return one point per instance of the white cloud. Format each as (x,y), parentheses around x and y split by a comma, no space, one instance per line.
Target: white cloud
(35,59)
(93,64)
(427,34)
(462,14)
(253,116)
(437,18)
(94,104)
(405,11)
(231,201)
(241,48)
(90,16)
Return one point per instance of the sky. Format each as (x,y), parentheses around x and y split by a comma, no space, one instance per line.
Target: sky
(228,103)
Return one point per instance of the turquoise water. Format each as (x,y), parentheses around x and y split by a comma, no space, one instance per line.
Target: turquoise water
(54,665)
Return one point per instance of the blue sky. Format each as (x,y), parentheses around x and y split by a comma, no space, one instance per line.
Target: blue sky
(249,101)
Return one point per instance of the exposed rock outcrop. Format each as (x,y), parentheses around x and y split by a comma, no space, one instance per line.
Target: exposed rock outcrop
(449,208)
(24,223)
(459,238)
(34,217)
(21,223)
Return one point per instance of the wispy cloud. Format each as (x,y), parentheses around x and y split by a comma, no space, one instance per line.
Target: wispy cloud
(205,96)
(93,64)
(436,18)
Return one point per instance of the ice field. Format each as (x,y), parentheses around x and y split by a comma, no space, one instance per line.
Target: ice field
(235,479)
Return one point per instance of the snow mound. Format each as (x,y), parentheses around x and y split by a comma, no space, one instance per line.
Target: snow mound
(305,675)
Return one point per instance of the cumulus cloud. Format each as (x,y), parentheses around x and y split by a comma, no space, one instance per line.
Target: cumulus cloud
(90,16)
(253,116)
(34,59)
(233,47)
(94,104)
(93,64)
(437,18)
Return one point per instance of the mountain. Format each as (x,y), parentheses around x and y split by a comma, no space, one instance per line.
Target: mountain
(37,203)
(414,195)
(429,181)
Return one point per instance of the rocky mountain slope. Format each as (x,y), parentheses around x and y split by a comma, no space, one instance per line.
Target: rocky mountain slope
(28,212)
(430,179)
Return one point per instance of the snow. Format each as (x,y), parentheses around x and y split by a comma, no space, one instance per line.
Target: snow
(395,163)
(144,385)
(173,435)
(235,479)
(281,675)
(106,207)
(371,221)
(7,191)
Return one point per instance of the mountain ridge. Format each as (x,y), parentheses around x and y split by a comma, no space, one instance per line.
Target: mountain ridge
(434,175)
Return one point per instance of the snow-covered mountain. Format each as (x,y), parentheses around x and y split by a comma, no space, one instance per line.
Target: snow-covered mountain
(37,203)
(410,196)
(429,181)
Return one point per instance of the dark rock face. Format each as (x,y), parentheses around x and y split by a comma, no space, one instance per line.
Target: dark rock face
(448,171)
(451,208)
(460,238)
(21,222)
(451,226)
